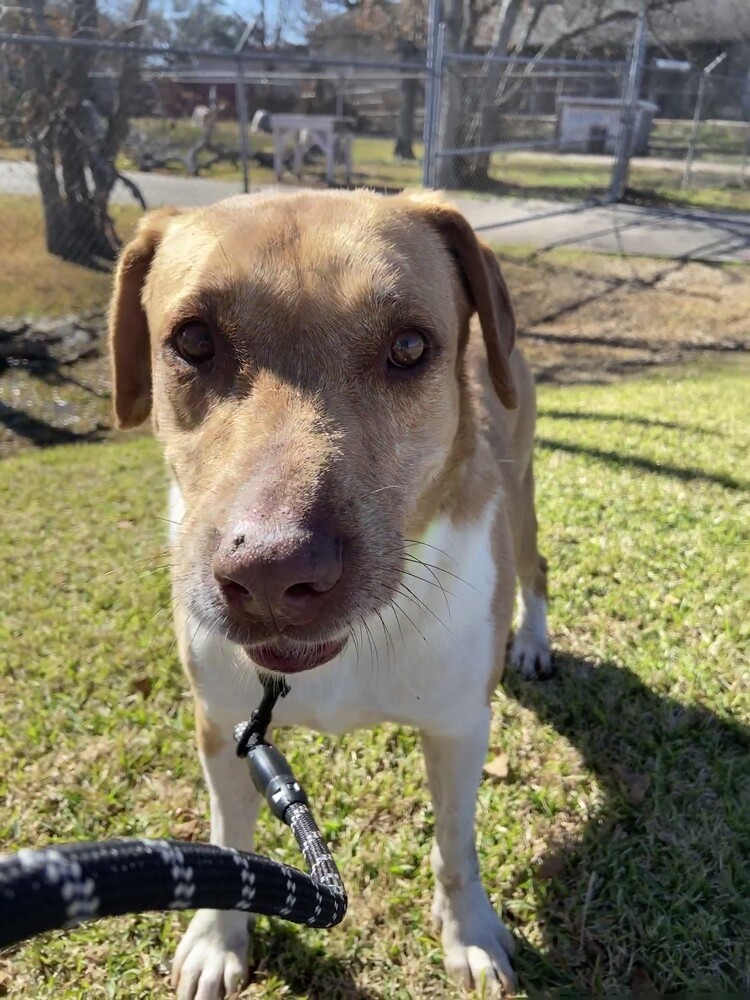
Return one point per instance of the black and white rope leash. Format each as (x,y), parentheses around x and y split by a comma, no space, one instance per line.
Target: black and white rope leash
(59,887)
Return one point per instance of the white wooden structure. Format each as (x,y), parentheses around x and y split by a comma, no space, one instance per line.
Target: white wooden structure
(592,124)
(306,131)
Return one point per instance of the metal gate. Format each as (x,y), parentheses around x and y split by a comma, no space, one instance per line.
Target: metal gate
(491,120)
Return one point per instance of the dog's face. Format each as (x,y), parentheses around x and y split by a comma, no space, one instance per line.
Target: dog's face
(303,358)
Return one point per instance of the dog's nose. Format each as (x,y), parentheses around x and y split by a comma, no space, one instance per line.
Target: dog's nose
(284,579)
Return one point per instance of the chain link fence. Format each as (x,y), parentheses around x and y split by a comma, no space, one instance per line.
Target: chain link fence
(512,126)
(89,129)
(555,129)
(93,131)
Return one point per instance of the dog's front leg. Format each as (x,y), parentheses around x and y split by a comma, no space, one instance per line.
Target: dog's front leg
(476,944)
(211,960)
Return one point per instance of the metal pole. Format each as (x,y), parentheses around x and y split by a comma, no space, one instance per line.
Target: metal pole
(433,21)
(629,110)
(242,115)
(693,140)
(694,132)
(265,56)
(745,152)
(437,95)
(340,97)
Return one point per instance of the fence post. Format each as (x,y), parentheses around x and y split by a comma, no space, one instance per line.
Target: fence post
(437,100)
(629,109)
(430,123)
(692,141)
(242,116)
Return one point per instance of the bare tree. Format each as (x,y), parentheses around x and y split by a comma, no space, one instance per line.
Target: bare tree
(74,146)
(469,118)
(401,27)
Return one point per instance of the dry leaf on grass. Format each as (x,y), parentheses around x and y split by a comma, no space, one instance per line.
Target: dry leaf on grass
(552,865)
(642,986)
(636,785)
(497,767)
(191,826)
(142,685)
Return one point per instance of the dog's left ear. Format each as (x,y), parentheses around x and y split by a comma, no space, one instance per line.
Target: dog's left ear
(129,341)
(485,285)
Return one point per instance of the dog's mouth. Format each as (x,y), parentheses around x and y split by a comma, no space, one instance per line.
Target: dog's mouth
(289,657)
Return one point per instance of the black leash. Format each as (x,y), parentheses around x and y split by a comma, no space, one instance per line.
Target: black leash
(61,886)
(249,734)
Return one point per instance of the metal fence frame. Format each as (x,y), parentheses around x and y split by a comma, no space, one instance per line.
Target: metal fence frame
(243,67)
(240,61)
(439,62)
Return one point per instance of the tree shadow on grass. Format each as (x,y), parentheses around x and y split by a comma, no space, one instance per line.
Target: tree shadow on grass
(42,434)
(306,969)
(684,473)
(655,893)
(623,418)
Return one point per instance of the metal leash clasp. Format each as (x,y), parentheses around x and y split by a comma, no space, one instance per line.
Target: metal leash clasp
(269,769)
(253,732)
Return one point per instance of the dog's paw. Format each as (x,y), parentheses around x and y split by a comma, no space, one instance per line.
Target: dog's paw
(477,946)
(211,959)
(530,653)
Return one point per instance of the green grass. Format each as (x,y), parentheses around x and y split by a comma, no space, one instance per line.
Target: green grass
(522,175)
(545,177)
(618,843)
(374,163)
(716,140)
(32,281)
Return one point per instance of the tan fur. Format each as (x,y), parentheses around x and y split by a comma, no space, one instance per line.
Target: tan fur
(208,733)
(299,423)
(260,267)
(129,336)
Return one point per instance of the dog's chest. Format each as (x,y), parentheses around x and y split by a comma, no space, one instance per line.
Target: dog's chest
(424,661)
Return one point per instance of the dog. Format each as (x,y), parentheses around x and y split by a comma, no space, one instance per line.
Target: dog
(351,463)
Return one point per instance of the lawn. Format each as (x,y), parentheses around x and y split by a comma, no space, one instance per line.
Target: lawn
(522,174)
(562,177)
(584,317)
(32,281)
(519,174)
(618,841)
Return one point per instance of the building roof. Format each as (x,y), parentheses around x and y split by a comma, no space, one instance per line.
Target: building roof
(678,24)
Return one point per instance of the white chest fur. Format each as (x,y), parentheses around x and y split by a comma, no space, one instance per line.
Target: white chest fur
(428,662)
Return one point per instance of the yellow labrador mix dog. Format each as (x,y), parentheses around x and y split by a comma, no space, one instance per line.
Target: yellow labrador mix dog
(348,453)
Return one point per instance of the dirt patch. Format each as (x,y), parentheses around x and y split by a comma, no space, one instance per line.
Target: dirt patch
(586,318)
(582,317)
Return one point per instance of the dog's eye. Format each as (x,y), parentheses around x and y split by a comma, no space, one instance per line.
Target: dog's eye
(407,349)
(194,343)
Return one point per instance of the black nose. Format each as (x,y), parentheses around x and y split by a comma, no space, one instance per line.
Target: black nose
(283,578)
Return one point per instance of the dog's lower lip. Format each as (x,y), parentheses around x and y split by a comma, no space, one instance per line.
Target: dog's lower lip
(273,656)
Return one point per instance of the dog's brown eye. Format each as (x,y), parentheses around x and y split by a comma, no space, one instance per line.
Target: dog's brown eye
(194,343)
(407,349)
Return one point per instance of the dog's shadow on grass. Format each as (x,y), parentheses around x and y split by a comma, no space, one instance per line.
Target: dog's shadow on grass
(654,892)
(304,968)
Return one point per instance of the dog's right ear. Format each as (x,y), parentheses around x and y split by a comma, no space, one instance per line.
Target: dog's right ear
(129,344)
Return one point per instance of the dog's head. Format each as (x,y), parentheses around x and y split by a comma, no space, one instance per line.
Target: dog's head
(303,358)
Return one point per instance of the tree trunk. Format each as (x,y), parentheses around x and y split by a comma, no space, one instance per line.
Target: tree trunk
(69,156)
(404,147)
(53,207)
(450,172)
(470,105)
(103,165)
(84,237)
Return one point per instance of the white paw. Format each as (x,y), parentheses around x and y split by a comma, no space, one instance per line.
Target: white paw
(530,650)
(530,653)
(211,960)
(477,946)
